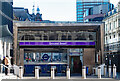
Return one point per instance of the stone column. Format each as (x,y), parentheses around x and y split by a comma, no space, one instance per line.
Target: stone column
(8,51)
(21,57)
(1,49)
(5,49)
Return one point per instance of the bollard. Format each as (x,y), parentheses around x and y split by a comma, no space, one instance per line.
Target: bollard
(109,71)
(37,72)
(99,72)
(68,73)
(114,71)
(52,73)
(105,70)
(84,72)
(21,72)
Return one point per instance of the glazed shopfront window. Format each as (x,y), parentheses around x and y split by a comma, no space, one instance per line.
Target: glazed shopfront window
(44,57)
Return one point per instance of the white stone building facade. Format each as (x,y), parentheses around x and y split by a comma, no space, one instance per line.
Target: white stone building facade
(112,37)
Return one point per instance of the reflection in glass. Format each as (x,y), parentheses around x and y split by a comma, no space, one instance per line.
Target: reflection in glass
(45,57)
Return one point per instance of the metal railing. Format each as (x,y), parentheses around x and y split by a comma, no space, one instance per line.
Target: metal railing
(15,69)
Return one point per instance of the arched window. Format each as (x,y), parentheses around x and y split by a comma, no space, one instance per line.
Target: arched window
(52,37)
(63,37)
(90,37)
(69,37)
(45,37)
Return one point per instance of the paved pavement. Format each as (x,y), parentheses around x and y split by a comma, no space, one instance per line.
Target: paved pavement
(60,80)
(63,78)
(118,75)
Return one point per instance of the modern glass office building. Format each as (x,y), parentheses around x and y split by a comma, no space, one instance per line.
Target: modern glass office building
(83,7)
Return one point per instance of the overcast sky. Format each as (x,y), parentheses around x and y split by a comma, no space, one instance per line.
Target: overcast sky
(55,10)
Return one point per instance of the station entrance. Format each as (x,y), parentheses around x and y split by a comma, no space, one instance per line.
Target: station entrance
(75,65)
(60,58)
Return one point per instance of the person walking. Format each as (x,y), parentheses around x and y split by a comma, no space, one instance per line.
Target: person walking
(6,65)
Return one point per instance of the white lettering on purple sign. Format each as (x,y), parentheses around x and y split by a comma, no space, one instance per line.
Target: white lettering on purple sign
(53,43)
(63,43)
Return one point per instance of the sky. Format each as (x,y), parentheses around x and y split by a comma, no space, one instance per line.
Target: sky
(54,10)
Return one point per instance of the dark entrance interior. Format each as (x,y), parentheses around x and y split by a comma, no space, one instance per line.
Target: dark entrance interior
(75,65)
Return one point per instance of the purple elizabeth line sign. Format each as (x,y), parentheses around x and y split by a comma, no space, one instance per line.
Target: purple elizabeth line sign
(56,43)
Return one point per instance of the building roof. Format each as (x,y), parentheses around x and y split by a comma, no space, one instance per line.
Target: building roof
(93,16)
(21,13)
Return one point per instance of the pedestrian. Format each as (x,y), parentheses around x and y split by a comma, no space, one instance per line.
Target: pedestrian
(12,68)
(6,65)
(3,64)
(12,61)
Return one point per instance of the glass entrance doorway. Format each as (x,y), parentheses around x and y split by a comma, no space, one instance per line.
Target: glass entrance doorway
(76,61)
(76,64)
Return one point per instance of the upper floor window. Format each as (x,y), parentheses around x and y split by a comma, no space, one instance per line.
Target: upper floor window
(110,37)
(110,26)
(119,34)
(106,27)
(114,24)
(114,36)
(106,38)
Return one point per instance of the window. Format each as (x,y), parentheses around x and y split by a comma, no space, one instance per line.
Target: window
(119,34)
(114,36)
(106,38)
(110,37)
(110,26)
(106,27)
(114,24)
(45,57)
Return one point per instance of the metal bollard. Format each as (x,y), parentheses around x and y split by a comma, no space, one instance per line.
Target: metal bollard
(84,72)
(105,70)
(99,72)
(114,71)
(37,72)
(68,73)
(52,73)
(21,72)
(109,71)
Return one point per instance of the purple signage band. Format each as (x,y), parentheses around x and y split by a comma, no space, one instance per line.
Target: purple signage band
(56,43)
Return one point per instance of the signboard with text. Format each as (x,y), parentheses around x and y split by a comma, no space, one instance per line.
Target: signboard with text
(56,43)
